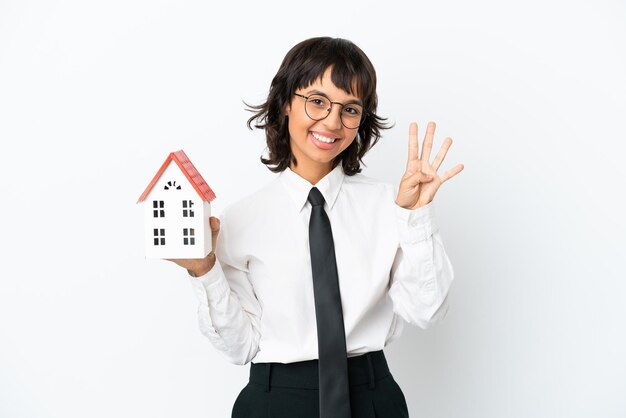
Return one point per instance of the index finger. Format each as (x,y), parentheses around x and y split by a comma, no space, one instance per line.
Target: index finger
(413,142)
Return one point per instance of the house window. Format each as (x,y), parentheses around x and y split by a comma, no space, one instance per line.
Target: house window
(158,208)
(187,212)
(189,236)
(172,185)
(159,236)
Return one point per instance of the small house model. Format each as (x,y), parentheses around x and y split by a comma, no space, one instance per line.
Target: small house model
(177,206)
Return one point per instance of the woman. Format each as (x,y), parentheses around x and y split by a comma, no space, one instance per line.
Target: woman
(261,290)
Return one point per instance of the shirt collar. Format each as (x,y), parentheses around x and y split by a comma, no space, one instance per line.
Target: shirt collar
(298,188)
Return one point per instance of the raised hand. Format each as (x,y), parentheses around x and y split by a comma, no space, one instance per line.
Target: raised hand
(421,181)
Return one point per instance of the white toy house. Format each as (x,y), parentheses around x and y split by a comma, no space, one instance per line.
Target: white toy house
(177,206)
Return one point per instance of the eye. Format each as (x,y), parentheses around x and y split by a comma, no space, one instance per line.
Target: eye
(352,110)
(318,101)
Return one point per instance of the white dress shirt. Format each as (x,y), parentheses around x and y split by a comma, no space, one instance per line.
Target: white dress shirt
(257,302)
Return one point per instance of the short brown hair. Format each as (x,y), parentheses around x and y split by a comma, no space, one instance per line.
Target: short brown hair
(304,64)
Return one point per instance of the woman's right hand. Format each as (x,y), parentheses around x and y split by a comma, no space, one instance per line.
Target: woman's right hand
(201,266)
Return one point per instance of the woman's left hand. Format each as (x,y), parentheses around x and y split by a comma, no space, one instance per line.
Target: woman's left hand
(421,180)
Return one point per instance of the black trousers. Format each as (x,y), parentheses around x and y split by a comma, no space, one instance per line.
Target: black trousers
(278,390)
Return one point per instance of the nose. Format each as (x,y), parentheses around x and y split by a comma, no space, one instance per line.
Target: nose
(333,120)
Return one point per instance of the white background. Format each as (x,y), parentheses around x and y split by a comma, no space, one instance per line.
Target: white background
(95,94)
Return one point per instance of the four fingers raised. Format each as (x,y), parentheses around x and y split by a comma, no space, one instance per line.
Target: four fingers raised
(417,163)
(427,149)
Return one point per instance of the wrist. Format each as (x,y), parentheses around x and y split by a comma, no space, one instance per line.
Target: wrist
(205,265)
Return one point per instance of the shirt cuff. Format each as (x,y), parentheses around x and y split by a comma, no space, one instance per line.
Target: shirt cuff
(211,286)
(415,225)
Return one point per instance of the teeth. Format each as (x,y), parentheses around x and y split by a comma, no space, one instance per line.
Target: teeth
(323,138)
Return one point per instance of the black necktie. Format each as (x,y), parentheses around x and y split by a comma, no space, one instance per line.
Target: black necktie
(334,388)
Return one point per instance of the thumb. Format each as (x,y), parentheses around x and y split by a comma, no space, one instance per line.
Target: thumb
(416,178)
(215,230)
(215,223)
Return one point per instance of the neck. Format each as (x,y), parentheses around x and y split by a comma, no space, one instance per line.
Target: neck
(311,173)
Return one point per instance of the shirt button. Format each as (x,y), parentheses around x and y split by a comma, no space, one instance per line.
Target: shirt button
(414,223)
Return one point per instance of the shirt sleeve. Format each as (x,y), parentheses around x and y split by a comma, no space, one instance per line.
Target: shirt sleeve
(421,273)
(229,312)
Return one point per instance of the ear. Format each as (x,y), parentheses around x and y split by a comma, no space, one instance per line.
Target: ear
(287,109)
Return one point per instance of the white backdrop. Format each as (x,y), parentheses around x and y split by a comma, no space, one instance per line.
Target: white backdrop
(94,95)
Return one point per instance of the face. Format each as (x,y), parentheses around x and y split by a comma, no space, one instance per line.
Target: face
(309,139)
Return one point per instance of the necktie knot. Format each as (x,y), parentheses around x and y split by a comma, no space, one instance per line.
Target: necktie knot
(315,197)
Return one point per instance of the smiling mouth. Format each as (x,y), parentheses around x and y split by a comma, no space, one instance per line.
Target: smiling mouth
(323,139)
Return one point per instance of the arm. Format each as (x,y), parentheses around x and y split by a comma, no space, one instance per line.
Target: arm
(421,273)
(228,312)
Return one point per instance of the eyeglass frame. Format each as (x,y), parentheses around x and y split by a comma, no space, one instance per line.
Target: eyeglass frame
(306,99)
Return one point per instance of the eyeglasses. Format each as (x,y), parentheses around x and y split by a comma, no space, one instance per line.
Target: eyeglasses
(318,107)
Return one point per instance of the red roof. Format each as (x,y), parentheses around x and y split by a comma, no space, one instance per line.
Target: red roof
(189,171)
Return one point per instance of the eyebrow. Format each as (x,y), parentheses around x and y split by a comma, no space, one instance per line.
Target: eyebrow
(353,101)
